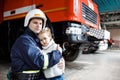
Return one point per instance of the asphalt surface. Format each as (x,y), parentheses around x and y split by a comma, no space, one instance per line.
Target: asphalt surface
(103,65)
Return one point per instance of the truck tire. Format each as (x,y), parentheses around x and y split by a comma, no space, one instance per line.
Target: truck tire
(93,51)
(89,51)
(86,52)
(71,54)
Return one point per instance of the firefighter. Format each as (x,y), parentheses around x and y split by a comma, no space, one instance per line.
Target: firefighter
(27,61)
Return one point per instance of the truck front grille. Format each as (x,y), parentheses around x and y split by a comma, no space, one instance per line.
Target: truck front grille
(88,14)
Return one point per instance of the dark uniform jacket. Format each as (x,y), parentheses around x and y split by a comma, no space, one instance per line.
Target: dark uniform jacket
(26,54)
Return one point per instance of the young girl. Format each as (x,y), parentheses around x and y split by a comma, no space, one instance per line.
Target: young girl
(48,45)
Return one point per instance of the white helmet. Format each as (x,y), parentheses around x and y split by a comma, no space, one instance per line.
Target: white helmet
(35,13)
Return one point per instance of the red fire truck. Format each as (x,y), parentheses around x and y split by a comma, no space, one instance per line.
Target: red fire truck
(74,23)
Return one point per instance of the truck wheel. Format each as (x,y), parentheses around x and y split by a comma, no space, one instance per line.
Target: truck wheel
(86,52)
(89,51)
(93,51)
(71,54)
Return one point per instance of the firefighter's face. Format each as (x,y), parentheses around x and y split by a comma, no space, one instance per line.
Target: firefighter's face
(36,25)
(44,39)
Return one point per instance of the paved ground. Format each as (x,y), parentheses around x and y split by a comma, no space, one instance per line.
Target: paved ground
(100,66)
(103,65)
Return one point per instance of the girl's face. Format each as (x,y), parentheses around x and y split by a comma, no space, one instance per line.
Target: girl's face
(35,25)
(44,39)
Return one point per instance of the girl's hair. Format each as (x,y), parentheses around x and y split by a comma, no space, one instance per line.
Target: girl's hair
(46,30)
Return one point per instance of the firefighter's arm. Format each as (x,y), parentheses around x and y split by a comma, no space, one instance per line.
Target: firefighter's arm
(54,57)
(47,59)
(34,58)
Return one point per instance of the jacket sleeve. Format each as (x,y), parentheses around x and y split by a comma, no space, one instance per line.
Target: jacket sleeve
(54,57)
(32,56)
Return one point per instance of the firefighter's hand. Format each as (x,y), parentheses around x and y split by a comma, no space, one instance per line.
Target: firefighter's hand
(61,64)
(59,48)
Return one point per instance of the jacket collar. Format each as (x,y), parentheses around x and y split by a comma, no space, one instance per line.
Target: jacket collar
(33,35)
